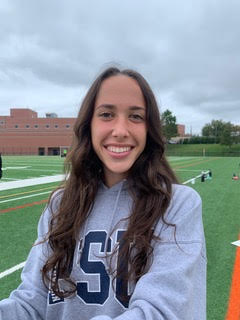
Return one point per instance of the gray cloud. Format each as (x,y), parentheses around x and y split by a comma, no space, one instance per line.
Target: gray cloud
(50,51)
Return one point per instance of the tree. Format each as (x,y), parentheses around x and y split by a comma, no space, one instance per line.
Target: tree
(214,129)
(227,137)
(207,130)
(236,134)
(169,124)
(223,132)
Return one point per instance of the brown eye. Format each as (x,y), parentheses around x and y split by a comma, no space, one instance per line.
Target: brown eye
(106,115)
(137,117)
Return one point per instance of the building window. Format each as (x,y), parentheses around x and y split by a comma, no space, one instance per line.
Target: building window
(67,125)
(16,125)
(56,126)
(27,126)
(47,126)
(36,126)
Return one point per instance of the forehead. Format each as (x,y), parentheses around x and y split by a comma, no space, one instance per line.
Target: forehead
(120,89)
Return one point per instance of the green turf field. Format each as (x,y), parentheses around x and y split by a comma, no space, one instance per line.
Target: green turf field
(20,210)
(25,167)
(213,149)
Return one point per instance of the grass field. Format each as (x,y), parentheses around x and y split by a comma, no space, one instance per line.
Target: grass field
(20,210)
(203,149)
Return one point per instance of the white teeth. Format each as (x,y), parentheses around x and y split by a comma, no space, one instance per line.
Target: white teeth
(118,149)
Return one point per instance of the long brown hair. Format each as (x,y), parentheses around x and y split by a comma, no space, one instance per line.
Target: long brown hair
(150,184)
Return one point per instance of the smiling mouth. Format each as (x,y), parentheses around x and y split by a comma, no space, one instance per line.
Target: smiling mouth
(118,149)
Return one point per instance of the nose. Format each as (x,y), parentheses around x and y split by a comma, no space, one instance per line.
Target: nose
(120,128)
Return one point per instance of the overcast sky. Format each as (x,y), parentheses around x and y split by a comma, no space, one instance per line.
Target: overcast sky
(189,51)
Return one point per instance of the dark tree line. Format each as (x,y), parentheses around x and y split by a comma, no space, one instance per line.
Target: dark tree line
(222,132)
(218,131)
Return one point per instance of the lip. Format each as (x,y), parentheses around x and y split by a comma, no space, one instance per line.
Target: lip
(119,155)
(118,145)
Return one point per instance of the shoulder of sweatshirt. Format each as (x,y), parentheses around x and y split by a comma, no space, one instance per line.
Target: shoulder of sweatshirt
(184,190)
(185,201)
(185,215)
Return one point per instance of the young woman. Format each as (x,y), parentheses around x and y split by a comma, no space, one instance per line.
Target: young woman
(122,239)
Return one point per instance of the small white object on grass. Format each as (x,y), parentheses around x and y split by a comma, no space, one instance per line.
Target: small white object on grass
(236,243)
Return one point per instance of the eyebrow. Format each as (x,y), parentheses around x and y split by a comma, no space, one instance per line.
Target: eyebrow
(112,106)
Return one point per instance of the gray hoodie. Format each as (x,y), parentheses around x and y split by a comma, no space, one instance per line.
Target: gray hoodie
(174,286)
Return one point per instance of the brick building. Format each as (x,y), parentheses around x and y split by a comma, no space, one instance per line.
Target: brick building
(181,130)
(23,132)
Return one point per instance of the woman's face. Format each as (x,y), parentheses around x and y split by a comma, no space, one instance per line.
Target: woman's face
(118,126)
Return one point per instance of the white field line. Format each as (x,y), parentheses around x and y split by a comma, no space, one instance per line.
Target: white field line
(11,270)
(187,170)
(28,169)
(30,182)
(14,168)
(41,164)
(45,170)
(13,179)
(24,197)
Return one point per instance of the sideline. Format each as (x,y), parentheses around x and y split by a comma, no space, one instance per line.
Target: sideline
(25,192)
(24,197)
(30,182)
(11,270)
